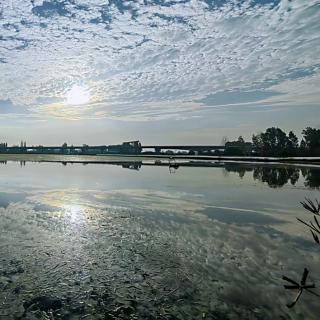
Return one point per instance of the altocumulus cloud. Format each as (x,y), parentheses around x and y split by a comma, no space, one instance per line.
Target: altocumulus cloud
(157,59)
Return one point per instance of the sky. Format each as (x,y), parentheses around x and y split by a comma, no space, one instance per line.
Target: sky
(160,71)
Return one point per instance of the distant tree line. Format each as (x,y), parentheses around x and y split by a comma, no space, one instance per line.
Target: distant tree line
(3,145)
(275,142)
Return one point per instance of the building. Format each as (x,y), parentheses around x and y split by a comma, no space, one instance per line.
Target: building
(238,148)
(131,147)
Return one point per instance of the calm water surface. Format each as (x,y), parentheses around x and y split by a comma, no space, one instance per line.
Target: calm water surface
(101,241)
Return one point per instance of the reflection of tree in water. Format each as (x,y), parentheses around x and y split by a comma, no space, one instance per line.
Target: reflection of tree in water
(276,177)
(240,169)
(311,177)
(132,165)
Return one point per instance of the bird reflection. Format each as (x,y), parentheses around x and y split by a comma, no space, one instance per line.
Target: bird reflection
(173,165)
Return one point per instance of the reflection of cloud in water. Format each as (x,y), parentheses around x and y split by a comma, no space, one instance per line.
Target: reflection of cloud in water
(179,202)
(8,197)
(230,270)
(139,199)
(174,204)
(244,217)
(248,265)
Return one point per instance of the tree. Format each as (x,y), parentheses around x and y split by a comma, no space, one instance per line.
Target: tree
(238,147)
(311,138)
(241,140)
(64,147)
(293,144)
(303,147)
(257,143)
(224,140)
(275,142)
(272,142)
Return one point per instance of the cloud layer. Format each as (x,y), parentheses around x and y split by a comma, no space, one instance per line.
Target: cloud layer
(157,59)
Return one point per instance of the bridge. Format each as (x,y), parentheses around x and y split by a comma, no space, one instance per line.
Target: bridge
(131,147)
(195,148)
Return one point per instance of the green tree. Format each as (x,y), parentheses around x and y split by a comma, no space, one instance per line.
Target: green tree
(64,147)
(303,147)
(293,144)
(275,142)
(241,140)
(224,140)
(311,138)
(257,143)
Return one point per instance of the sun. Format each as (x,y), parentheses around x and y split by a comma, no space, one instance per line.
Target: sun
(77,95)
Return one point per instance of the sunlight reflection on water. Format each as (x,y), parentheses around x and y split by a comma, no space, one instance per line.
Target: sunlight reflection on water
(74,213)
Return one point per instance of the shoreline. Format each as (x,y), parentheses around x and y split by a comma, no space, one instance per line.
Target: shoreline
(182,160)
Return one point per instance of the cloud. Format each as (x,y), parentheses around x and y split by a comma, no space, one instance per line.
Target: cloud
(237,97)
(51,8)
(157,53)
(7,107)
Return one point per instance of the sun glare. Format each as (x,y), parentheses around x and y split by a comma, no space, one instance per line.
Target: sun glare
(74,213)
(77,95)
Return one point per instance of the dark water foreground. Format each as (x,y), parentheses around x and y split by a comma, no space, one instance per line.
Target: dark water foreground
(105,242)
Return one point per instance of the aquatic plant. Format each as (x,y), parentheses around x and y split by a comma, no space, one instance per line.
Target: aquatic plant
(299,286)
(314,227)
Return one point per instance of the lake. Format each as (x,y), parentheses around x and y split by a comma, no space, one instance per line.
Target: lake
(136,240)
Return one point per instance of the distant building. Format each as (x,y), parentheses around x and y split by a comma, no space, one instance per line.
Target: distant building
(238,148)
(131,147)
